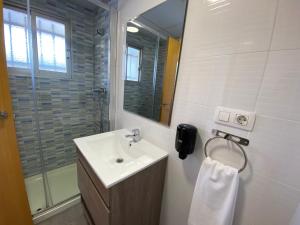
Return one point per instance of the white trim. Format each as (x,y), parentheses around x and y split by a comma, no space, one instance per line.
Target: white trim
(56,209)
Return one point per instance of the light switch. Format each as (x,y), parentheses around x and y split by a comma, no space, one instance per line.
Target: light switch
(224,116)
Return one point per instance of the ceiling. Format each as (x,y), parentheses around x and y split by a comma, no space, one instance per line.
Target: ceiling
(166,18)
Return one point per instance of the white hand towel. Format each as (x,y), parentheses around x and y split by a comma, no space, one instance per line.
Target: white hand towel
(215,194)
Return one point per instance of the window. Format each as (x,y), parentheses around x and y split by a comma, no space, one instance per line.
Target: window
(133,64)
(16,38)
(50,46)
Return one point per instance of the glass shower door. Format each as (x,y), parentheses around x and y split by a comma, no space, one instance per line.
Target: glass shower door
(57,53)
(56,97)
(19,62)
(71,51)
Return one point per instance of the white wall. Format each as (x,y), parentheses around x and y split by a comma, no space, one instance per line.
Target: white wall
(244,55)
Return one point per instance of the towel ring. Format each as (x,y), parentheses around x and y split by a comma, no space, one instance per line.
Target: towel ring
(227,137)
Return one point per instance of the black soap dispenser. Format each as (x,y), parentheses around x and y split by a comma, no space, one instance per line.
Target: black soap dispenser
(185,139)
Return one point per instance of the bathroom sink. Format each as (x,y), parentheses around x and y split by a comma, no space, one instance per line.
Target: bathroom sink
(114,158)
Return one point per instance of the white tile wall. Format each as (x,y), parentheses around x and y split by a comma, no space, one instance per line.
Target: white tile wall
(280,91)
(287,29)
(244,77)
(230,26)
(274,152)
(242,54)
(261,201)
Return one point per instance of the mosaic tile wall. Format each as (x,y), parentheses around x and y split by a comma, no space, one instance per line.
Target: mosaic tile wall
(140,97)
(67,105)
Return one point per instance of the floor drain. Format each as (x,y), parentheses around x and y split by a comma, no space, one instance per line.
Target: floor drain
(119,160)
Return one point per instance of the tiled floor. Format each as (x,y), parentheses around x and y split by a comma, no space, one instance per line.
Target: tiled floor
(72,216)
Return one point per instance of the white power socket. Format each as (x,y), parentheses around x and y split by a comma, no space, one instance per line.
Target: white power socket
(235,118)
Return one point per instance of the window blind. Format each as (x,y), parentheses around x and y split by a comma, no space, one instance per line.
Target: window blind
(16,38)
(51,45)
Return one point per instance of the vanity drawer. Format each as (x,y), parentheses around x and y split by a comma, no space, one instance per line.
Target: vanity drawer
(105,193)
(92,200)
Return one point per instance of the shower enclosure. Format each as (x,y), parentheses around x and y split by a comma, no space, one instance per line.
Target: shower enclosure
(58,54)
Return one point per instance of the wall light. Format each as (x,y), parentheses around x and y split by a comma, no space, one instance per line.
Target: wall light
(132,29)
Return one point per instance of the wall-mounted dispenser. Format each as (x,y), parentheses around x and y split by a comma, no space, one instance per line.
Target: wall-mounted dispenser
(185,139)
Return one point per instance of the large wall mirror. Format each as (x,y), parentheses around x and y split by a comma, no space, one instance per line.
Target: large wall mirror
(152,58)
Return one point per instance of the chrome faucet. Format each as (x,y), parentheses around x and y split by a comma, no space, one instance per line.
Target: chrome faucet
(136,135)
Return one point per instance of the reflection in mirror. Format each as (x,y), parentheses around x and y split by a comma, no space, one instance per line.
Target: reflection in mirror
(152,57)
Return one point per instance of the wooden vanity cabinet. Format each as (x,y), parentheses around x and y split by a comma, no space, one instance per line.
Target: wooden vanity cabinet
(134,201)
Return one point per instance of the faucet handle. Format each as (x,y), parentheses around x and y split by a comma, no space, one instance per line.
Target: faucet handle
(136,135)
(136,132)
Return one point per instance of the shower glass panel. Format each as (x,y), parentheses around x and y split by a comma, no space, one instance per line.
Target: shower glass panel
(57,56)
(17,30)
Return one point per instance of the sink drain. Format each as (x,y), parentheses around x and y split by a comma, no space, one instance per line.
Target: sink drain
(119,160)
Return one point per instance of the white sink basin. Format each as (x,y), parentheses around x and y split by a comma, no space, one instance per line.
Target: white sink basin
(103,151)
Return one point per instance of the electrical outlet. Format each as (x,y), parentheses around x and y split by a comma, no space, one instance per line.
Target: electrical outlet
(235,118)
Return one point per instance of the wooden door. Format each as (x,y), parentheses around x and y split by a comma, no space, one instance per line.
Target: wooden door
(14,207)
(169,80)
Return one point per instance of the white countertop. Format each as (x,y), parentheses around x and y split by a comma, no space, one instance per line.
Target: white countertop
(102,150)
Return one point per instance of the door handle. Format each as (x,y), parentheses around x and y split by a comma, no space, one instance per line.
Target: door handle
(3,115)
